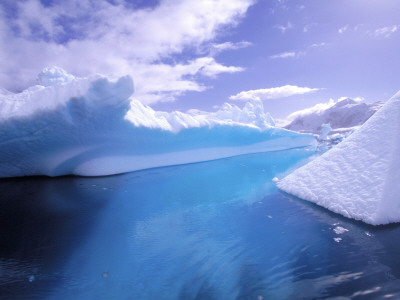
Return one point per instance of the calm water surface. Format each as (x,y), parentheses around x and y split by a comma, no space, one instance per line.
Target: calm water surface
(214,230)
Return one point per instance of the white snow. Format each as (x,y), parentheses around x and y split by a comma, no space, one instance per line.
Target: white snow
(344,115)
(53,76)
(359,178)
(92,126)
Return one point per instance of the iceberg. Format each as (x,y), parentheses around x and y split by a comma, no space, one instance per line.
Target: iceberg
(93,127)
(359,178)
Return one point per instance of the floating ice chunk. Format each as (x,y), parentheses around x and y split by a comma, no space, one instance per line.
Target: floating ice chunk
(359,178)
(325,129)
(337,240)
(340,230)
(93,127)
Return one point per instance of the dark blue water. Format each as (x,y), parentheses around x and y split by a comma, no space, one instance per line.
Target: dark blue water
(214,230)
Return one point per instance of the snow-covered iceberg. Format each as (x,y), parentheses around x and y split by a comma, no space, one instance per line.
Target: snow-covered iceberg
(359,178)
(92,127)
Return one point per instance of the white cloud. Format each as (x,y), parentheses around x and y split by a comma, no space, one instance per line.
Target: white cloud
(386,31)
(290,54)
(170,81)
(90,36)
(317,45)
(284,28)
(343,29)
(217,48)
(272,93)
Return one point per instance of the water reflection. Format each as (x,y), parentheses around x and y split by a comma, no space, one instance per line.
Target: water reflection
(215,230)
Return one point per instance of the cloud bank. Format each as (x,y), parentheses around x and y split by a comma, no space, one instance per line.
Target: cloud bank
(114,38)
(272,93)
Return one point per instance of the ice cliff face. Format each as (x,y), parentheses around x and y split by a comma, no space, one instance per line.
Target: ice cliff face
(359,178)
(341,116)
(92,126)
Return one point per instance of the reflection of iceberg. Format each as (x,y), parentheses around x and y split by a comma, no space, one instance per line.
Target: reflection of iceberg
(92,127)
(360,177)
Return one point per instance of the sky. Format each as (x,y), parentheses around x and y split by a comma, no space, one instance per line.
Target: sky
(198,54)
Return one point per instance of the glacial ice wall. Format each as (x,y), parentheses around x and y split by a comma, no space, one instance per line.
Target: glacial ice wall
(92,127)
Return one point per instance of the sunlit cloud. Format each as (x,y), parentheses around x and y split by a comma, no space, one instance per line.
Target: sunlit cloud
(386,31)
(87,36)
(273,93)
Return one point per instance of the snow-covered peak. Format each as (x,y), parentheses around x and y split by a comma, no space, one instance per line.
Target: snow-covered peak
(345,113)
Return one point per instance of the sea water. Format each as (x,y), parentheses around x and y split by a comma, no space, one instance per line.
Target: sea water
(212,230)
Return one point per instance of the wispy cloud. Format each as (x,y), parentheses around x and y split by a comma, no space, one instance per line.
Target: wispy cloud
(273,93)
(170,81)
(343,29)
(386,31)
(111,37)
(308,27)
(284,28)
(290,54)
(317,45)
(217,48)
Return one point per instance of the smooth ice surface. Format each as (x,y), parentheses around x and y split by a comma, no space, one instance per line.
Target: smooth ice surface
(205,231)
(92,126)
(345,115)
(359,178)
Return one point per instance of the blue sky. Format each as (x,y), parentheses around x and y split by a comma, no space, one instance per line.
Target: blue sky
(183,54)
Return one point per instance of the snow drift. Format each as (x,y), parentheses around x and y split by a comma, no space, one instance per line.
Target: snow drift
(91,127)
(359,178)
(342,116)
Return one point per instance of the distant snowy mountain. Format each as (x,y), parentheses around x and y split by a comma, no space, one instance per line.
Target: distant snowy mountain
(342,116)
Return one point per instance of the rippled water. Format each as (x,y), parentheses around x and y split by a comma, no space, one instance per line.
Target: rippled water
(214,230)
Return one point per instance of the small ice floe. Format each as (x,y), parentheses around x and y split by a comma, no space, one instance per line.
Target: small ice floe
(339,230)
(31,278)
(275,179)
(337,240)
(368,233)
